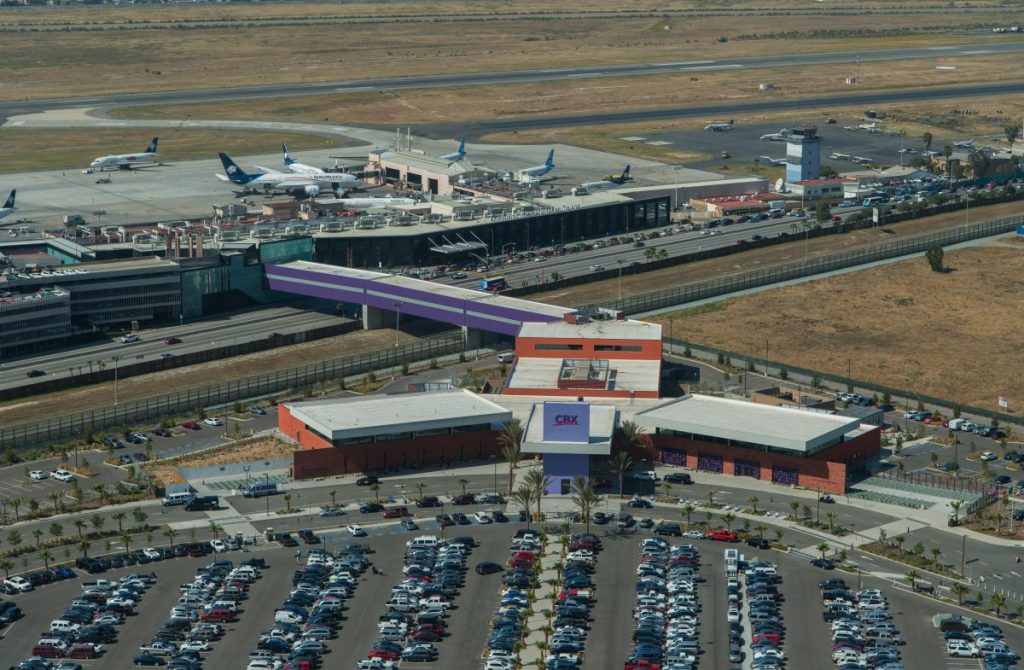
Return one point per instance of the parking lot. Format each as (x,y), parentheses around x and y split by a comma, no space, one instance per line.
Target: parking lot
(608,642)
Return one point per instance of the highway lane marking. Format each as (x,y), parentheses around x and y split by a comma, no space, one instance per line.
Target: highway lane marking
(683,63)
(355,88)
(976,52)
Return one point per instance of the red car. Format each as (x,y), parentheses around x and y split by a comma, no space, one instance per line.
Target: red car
(217,614)
(396,512)
(642,664)
(82,650)
(774,638)
(522,562)
(172,340)
(297,665)
(723,535)
(383,654)
(47,651)
(192,425)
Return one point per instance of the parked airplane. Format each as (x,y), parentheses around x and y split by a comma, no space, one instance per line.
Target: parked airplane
(9,207)
(964,144)
(860,159)
(540,170)
(720,127)
(838,156)
(125,161)
(780,136)
(774,161)
(295,166)
(458,155)
(609,181)
(309,184)
(868,126)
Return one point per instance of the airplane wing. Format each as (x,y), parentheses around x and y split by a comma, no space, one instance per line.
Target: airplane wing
(221,176)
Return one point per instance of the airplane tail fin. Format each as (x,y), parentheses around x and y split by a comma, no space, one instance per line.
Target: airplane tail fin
(234,173)
(550,162)
(462,147)
(10,199)
(288,160)
(625,174)
(151,149)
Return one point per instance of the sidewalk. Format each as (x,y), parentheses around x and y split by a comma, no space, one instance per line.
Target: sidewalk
(545,602)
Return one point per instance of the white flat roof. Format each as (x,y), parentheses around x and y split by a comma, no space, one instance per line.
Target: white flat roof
(602,425)
(593,330)
(789,428)
(346,418)
(623,374)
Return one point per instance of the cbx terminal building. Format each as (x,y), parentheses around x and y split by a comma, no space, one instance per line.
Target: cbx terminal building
(576,376)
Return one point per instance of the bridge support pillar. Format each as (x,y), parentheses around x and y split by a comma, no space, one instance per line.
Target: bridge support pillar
(472,338)
(375,318)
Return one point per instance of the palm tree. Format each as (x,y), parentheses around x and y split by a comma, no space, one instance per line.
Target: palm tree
(831,516)
(727,519)
(688,510)
(84,546)
(101,491)
(760,528)
(912,576)
(56,497)
(38,533)
(119,517)
(509,440)
(139,516)
(959,589)
(926,140)
(537,483)
(523,496)
(215,529)
(778,534)
(14,538)
(126,539)
(375,487)
(752,501)
(79,524)
(936,552)
(806,510)
(47,557)
(630,434)
(585,498)
(97,522)
(794,506)
(823,548)
(998,601)
(6,566)
(463,482)
(56,529)
(334,496)
(622,462)
(169,533)
(899,540)
(16,503)
(288,502)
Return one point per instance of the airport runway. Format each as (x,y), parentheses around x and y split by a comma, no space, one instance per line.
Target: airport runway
(12,108)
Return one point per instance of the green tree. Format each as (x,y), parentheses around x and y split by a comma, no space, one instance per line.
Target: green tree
(934,256)
(169,533)
(16,503)
(119,517)
(523,496)
(79,524)
(760,528)
(537,483)
(728,519)
(998,602)
(831,516)
(215,530)
(823,210)
(959,590)
(375,487)
(288,501)
(6,566)
(84,547)
(621,462)
(794,506)
(688,510)
(463,482)
(956,505)
(38,534)
(47,557)
(126,540)
(1012,131)
(778,534)
(912,576)
(584,497)
(898,541)
(823,548)
(510,439)
(139,516)
(926,140)
(752,501)
(14,538)
(56,529)
(334,494)
(630,435)
(936,552)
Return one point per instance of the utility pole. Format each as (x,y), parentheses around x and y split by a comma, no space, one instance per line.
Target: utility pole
(963,555)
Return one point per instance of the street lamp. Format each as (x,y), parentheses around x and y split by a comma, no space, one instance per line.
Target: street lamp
(494,461)
(115,359)
(619,261)
(398,322)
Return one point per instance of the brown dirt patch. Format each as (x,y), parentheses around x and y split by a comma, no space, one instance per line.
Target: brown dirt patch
(29,410)
(953,335)
(247,450)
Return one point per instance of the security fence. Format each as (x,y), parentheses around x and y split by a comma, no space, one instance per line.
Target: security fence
(73,425)
(680,295)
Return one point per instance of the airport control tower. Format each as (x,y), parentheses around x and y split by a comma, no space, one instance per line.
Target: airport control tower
(803,154)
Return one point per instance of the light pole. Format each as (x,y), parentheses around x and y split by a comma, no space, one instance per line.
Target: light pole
(619,261)
(963,555)
(849,375)
(398,322)
(494,461)
(115,359)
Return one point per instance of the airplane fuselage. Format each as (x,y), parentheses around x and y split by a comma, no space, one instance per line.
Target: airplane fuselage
(122,160)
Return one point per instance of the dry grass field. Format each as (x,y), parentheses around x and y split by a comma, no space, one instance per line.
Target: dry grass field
(241,52)
(953,335)
(27,149)
(246,450)
(27,410)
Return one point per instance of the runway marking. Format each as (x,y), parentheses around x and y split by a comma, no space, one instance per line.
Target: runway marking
(735,66)
(1012,572)
(683,63)
(940,48)
(632,138)
(659,143)
(17,123)
(976,52)
(355,88)
(584,75)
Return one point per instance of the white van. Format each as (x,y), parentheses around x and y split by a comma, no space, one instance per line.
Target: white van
(957,424)
(62,626)
(423,541)
(176,498)
(506,357)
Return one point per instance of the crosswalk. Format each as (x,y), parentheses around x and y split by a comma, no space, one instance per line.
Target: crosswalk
(242,482)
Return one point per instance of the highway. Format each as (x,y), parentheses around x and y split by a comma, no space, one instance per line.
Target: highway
(10,108)
(208,333)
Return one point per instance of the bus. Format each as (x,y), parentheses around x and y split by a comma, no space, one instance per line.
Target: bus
(493,284)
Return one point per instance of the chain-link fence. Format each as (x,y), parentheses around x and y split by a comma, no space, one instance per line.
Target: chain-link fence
(679,295)
(73,425)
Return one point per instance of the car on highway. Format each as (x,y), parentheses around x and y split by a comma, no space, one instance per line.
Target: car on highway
(172,340)
(367,480)
(35,373)
(38,475)
(332,511)
(129,338)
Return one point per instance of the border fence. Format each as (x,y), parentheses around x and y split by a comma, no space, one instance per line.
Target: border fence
(74,424)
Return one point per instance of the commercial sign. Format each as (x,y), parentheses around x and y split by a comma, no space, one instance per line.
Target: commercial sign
(566,422)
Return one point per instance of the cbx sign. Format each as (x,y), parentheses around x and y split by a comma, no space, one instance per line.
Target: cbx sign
(566,422)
